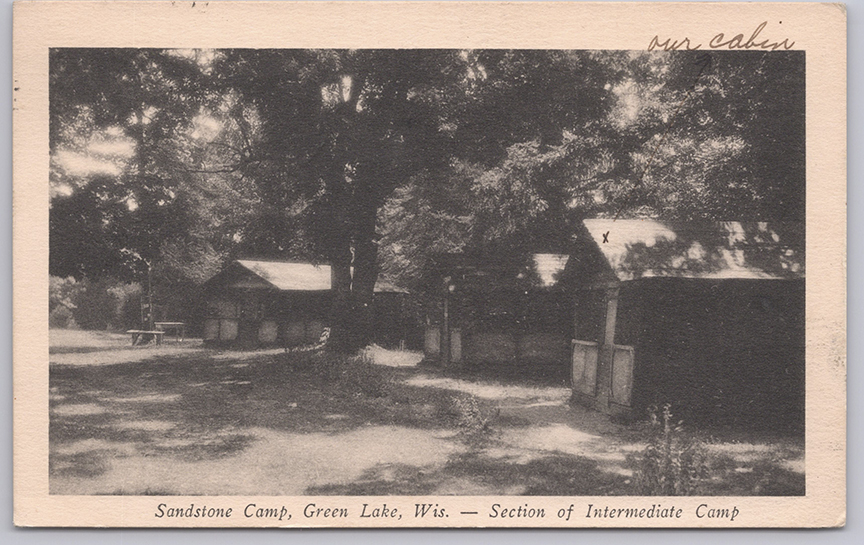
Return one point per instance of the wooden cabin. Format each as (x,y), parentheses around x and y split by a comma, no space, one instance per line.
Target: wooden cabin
(266,302)
(500,312)
(708,317)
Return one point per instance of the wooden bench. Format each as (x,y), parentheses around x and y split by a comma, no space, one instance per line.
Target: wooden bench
(141,334)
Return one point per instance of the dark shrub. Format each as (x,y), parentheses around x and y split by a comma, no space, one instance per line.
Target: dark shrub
(352,375)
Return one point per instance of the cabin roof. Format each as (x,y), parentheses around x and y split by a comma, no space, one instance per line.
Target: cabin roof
(519,272)
(291,276)
(548,268)
(646,248)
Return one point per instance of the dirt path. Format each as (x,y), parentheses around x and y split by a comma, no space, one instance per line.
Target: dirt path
(196,421)
(273,463)
(86,348)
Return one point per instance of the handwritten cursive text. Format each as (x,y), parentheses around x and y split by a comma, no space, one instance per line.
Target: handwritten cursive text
(720,41)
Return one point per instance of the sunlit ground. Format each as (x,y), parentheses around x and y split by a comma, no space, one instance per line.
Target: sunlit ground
(186,419)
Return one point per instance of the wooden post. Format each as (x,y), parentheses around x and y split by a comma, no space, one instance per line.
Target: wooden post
(611,316)
(445,326)
(576,315)
(607,351)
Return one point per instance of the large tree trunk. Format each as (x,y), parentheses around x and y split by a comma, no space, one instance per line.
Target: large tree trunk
(337,236)
(353,313)
(365,271)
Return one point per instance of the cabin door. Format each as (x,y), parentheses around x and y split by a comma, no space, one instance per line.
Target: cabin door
(250,317)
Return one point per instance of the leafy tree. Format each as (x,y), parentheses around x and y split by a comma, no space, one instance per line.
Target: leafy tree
(372,160)
(134,135)
(716,136)
(670,135)
(340,131)
(121,110)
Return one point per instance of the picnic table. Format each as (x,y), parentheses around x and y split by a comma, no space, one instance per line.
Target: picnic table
(178,328)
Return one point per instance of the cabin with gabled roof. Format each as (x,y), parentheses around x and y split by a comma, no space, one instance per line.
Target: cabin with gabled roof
(705,316)
(708,317)
(500,312)
(269,302)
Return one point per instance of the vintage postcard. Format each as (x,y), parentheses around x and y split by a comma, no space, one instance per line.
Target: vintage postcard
(362,264)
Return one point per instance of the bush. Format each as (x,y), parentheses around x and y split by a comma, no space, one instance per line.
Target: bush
(62,292)
(673,463)
(93,305)
(361,377)
(352,375)
(61,317)
(128,310)
(468,415)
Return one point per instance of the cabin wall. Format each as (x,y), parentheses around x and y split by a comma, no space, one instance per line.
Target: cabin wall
(265,317)
(515,332)
(731,351)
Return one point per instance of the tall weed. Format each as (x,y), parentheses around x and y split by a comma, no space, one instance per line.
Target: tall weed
(673,463)
(474,422)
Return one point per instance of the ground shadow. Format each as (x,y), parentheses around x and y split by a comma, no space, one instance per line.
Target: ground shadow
(554,474)
(184,409)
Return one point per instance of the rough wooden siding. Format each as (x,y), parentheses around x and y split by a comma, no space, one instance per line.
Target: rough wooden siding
(731,350)
(589,315)
(544,348)
(432,341)
(528,349)
(489,347)
(456,345)
(211,329)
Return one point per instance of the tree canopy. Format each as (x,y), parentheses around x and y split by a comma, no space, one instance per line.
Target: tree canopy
(373,160)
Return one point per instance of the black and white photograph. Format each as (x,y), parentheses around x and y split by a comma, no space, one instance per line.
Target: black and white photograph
(386,282)
(427,272)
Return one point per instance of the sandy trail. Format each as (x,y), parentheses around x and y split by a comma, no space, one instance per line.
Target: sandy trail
(185,419)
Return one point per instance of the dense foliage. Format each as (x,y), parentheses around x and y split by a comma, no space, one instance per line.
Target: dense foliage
(373,160)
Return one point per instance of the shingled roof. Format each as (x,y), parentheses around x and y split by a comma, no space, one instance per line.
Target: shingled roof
(633,249)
